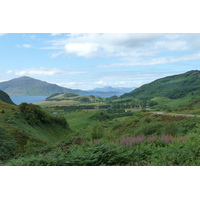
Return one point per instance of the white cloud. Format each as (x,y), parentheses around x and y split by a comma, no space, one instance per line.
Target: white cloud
(116,39)
(35,71)
(111,82)
(108,44)
(42,71)
(130,48)
(27,46)
(101,83)
(72,84)
(157,60)
(172,45)
(103,44)
(86,49)
(55,34)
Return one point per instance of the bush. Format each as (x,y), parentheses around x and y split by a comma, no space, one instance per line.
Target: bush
(8,146)
(188,125)
(97,132)
(171,129)
(173,155)
(186,153)
(34,115)
(149,128)
(101,116)
(95,154)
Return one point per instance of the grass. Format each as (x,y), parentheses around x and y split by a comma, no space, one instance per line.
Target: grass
(6,109)
(58,103)
(80,119)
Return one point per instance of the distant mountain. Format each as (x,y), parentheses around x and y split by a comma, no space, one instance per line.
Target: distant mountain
(5,97)
(112,89)
(172,87)
(27,86)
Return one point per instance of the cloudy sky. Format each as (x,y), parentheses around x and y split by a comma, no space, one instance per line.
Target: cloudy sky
(86,61)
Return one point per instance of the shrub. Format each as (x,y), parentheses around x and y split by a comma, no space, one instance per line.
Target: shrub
(97,132)
(149,128)
(8,146)
(35,116)
(101,116)
(173,155)
(171,129)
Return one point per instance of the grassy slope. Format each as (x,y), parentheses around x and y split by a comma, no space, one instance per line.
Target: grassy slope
(172,87)
(142,123)
(79,120)
(16,130)
(5,97)
(74,97)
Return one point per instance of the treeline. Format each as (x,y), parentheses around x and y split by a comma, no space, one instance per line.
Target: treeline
(110,114)
(73,108)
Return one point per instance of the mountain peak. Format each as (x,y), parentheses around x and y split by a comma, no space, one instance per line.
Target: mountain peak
(24,78)
(27,86)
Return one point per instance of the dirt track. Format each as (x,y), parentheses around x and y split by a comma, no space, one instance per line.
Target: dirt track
(175,114)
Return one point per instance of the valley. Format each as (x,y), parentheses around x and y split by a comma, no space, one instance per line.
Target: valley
(149,126)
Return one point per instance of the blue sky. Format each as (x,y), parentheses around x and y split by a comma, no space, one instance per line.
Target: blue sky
(86,61)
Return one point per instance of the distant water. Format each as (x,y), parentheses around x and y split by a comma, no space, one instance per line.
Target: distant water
(106,95)
(28,99)
(37,99)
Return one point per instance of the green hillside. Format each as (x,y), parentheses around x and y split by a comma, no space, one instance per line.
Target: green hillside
(61,96)
(172,87)
(5,97)
(26,86)
(74,98)
(26,127)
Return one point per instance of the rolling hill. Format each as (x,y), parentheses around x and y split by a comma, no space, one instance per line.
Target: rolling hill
(172,87)
(27,86)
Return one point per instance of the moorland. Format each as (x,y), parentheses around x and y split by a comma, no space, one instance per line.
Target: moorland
(157,124)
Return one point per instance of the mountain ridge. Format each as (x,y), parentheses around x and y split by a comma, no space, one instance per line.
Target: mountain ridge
(112,89)
(27,86)
(172,87)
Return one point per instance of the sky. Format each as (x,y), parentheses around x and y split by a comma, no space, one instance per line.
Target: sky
(94,60)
